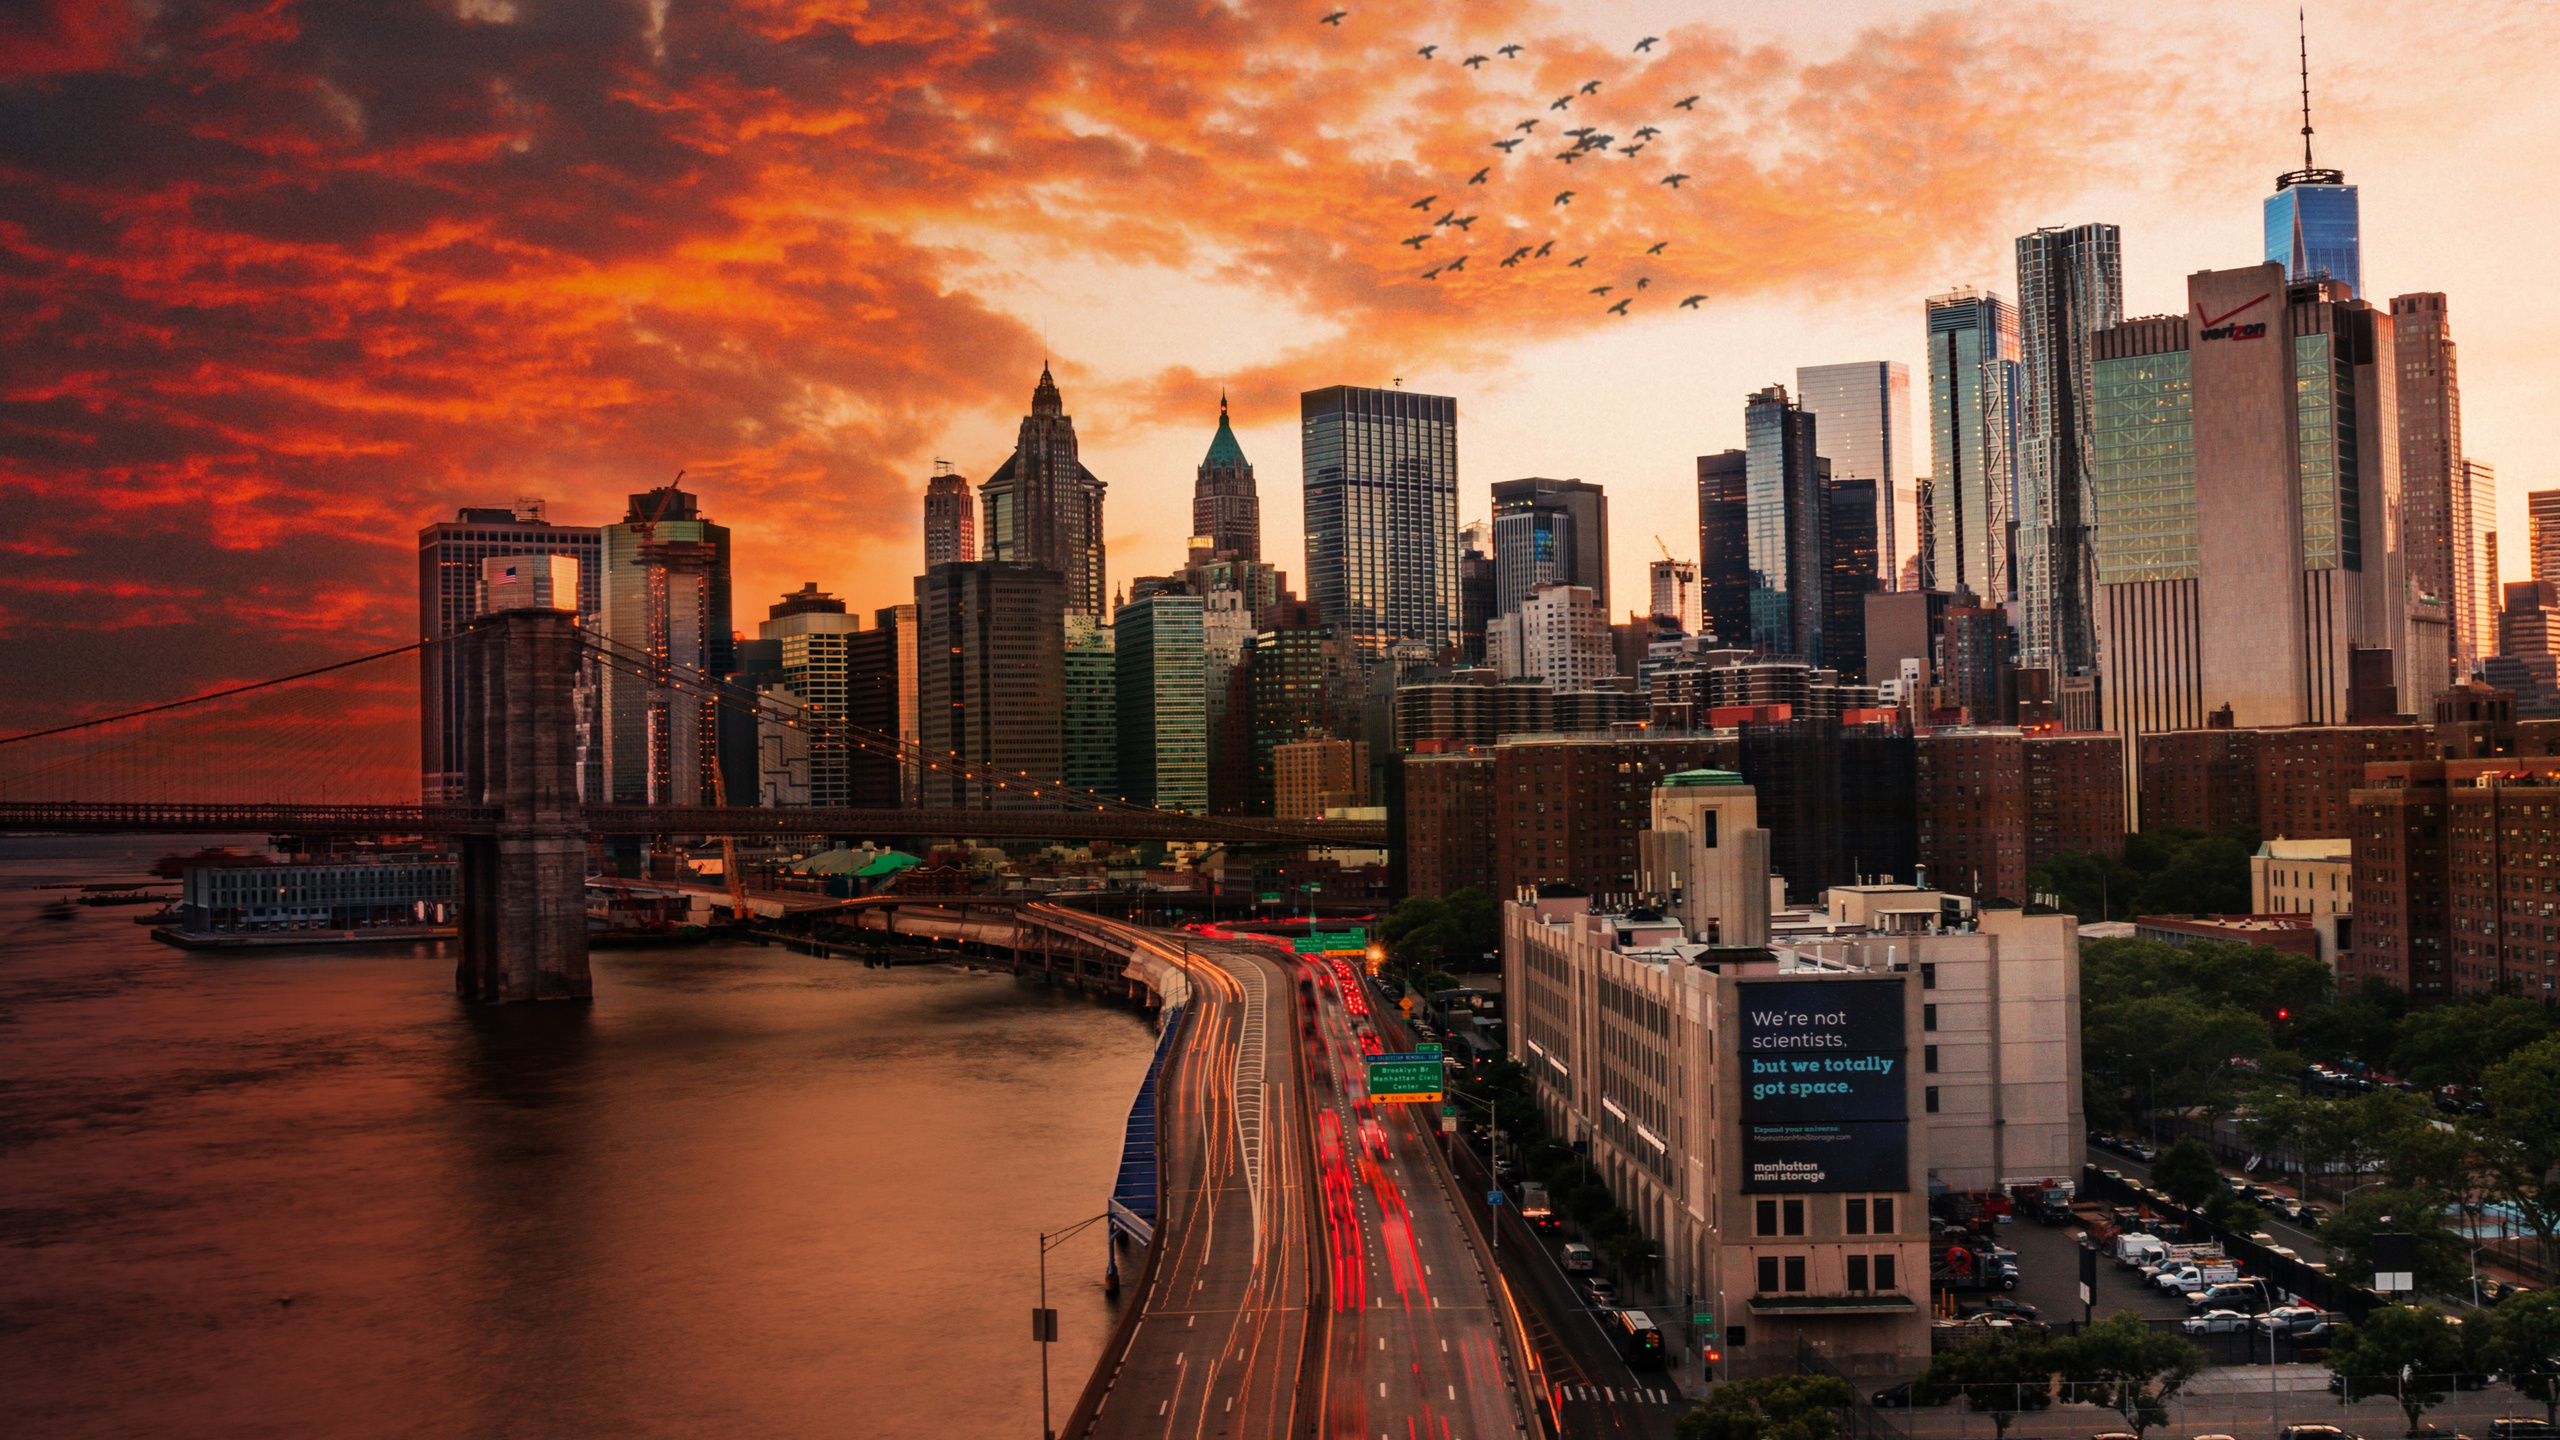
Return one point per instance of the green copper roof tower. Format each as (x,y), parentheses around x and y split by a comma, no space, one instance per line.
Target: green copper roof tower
(1223,506)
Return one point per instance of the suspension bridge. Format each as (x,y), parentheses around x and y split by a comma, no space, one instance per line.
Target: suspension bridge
(265,755)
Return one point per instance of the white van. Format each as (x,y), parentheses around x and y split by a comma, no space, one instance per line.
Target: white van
(2135,1251)
(1577,1256)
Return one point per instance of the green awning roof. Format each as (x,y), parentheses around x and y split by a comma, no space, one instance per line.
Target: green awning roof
(1685,778)
(1831,1305)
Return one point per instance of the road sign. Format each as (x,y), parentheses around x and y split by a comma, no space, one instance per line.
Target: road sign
(1703,1317)
(1407,1079)
(1493,1197)
(1326,942)
(1044,1326)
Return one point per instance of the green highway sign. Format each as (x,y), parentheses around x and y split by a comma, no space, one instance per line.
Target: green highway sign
(1405,1079)
(1324,941)
(1703,1317)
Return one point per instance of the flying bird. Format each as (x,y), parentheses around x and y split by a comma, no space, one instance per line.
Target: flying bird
(1434,272)
(1564,197)
(1692,302)
(1673,180)
(1445,219)
(1519,254)
(1526,125)
(1576,262)
(1472,61)
(1602,289)
(1464,223)
(1621,307)
(1590,87)
(1630,150)
(1543,249)
(1643,280)
(1657,247)
(1578,134)
(1334,19)
(1458,264)
(1425,51)
(1647,43)
(1561,102)
(1569,156)
(1597,141)
(1422,204)
(1647,133)
(1416,241)
(1478,177)
(1505,145)
(1689,104)
(1507,51)
(1510,260)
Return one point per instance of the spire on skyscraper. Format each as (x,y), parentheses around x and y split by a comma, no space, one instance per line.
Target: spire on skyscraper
(1044,396)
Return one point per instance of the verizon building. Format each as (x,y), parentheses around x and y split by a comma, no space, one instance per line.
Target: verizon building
(2244,467)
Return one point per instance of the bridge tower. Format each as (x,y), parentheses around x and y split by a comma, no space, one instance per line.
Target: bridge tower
(524,912)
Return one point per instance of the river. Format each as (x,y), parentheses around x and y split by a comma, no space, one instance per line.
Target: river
(743,1193)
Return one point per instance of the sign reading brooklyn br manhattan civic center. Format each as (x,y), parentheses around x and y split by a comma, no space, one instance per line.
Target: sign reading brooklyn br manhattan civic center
(1825,1099)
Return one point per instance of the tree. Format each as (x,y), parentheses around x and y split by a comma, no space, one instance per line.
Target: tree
(1996,1377)
(2456,1044)
(2443,1262)
(2518,1141)
(2524,1341)
(1771,1407)
(2410,1352)
(2278,1120)
(2209,877)
(2091,886)
(2126,1366)
(2186,1173)
(2355,1026)
(1632,1251)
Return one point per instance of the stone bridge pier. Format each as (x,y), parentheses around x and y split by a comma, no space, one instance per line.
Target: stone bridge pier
(523,889)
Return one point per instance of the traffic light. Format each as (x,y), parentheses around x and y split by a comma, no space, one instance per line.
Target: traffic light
(2283,1014)
(1715,1357)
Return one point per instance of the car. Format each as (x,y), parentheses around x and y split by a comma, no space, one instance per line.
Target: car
(2215,1322)
(2003,1305)
(2315,1432)
(1907,1394)
(2521,1429)
(2289,1318)
(1602,1291)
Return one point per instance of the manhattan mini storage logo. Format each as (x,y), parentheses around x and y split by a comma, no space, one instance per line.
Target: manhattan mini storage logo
(2218,327)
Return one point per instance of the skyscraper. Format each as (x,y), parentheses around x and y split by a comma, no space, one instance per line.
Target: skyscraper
(2070,286)
(1548,532)
(2312,227)
(449,599)
(2542,534)
(1967,512)
(1090,749)
(1475,589)
(666,600)
(950,518)
(2441,531)
(1785,517)
(1864,411)
(880,697)
(1724,547)
(1852,518)
(1674,593)
(2260,451)
(1043,508)
(1223,505)
(1163,705)
(813,633)
(991,685)
(1381,471)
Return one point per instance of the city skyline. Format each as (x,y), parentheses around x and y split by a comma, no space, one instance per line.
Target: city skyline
(294,473)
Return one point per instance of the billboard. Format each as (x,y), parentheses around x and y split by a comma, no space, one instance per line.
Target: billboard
(1825,1100)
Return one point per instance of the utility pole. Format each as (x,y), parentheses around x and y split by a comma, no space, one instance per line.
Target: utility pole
(1044,1321)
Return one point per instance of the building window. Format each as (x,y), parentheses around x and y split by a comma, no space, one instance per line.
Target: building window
(1857,1271)
(1884,1273)
(1768,1273)
(1884,1219)
(1767,1216)
(1929,1058)
(1929,1099)
(1854,1218)
(1929,977)
(1928,1017)
(1795,1274)
(1793,1211)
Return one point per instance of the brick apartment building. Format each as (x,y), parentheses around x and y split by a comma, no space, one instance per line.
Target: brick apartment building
(1994,804)
(2457,878)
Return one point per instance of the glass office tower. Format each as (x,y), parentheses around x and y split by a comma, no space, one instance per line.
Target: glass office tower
(1382,514)
(2313,229)
(1967,506)
(1784,515)
(1548,532)
(1864,411)
(2070,286)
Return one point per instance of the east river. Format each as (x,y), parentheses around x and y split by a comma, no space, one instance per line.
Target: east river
(745,1192)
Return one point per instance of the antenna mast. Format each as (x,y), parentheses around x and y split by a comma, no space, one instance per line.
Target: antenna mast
(2302,23)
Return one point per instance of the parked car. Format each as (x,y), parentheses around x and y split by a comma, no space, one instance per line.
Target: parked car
(2216,1322)
(2290,1319)
(2521,1429)
(2316,1432)
(1907,1394)
(2003,1305)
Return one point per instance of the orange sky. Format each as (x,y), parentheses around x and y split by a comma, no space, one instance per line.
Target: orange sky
(279,282)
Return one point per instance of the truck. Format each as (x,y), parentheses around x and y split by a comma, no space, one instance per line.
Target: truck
(2135,1250)
(1967,1267)
(2048,1201)
(1534,1206)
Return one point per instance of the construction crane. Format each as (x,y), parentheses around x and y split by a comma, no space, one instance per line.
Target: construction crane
(1665,549)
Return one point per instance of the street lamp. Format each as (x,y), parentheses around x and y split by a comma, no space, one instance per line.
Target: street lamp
(1044,1321)
(1493,1138)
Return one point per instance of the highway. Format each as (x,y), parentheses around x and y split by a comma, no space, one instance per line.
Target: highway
(1221,1345)
(1417,1331)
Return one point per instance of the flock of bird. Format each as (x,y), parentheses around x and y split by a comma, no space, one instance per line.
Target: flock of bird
(1588,140)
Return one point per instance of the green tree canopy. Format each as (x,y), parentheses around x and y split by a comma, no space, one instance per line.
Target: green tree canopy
(2093,887)
(2186,1172)
(1770,1407)
(2518,1141)
(2454,1044)
(1996,1376)
(2523,1340)
(2126,1366)
(2409,1352)
(2443,1262)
